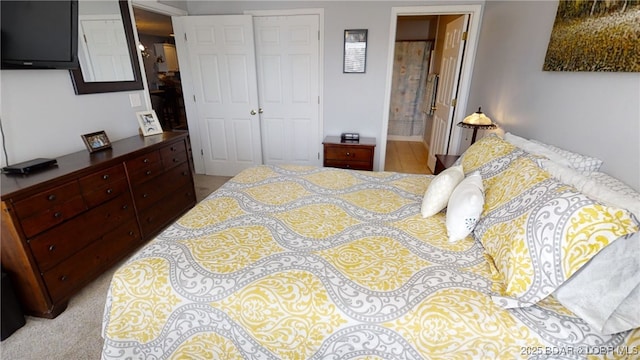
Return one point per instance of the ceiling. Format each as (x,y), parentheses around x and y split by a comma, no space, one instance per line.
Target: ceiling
(150,23)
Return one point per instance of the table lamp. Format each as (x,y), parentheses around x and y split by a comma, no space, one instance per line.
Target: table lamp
(475,121)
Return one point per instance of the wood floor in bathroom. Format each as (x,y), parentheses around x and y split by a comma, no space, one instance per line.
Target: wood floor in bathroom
(406,157)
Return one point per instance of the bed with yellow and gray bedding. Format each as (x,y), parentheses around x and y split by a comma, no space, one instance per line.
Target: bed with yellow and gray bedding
(297,262)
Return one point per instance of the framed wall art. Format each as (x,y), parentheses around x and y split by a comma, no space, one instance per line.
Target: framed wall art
(355,51)
(595,36)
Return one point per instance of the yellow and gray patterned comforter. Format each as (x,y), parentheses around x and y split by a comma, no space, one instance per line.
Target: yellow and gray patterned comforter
(301,262)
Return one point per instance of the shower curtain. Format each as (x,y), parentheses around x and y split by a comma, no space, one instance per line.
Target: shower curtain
(409,107)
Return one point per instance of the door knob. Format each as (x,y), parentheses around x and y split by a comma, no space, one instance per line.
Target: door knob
(260,110)
(252,112)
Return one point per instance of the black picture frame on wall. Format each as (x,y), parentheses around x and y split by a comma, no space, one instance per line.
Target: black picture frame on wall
(355,51)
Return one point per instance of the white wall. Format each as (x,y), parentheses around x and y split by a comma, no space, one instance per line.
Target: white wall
(43,117)
(594,113)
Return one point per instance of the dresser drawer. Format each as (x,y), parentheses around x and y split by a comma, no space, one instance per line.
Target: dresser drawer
(144,167)
(105,193)
(102,178)
(148,194)
(173,155)
(73,273)
(153,219)
(348,153)
(48,199)
(59,243)
(48,218)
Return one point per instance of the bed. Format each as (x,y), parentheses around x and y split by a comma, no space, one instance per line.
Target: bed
(290,262)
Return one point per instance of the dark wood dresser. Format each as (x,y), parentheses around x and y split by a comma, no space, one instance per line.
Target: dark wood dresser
(349,155)
(64,226)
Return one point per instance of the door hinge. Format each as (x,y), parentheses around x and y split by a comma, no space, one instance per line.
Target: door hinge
(318,34)
(194,98)
(318,99)
(454,102)
(201,152)
(185,36)
(464,36)
(85,38)
(318,156)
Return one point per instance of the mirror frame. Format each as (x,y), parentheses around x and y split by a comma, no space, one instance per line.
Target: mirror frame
(82,87)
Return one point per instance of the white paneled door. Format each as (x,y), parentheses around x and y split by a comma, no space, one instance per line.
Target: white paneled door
(223,70)
(447,88)
(287,57)
(256,93)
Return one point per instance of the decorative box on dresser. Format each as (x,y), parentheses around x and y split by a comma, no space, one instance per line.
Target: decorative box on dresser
(350,154)
(64,226)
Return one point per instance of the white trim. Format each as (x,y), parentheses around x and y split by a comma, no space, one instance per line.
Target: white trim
(156,7)
(320,13)
(475,12)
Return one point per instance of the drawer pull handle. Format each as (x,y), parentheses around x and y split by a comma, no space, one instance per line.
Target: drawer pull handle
(184,173)
(105,177)
(63,278)
(175,160)
(145,161)
(148,172)
(173,149)
(109,191)
(130,233)
(57,214)
(348,154)
(52,247)
(145,195)
(125,207)
(51,197)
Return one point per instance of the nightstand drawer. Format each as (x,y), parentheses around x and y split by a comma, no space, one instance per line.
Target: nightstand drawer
(348,153)
(353,165)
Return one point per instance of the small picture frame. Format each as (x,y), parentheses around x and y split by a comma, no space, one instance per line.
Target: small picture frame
(355,51)
(149,124)
(96,141)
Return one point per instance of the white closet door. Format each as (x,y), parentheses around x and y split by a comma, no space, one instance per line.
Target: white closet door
(287,53)
(447,88)
(223,71)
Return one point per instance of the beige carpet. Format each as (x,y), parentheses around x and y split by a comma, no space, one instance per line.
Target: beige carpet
(76,333)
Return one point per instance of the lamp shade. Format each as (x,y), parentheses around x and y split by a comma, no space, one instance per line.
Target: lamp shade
(477,118)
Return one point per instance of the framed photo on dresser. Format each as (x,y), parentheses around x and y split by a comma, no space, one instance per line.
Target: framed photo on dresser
(96,141)
(149,124)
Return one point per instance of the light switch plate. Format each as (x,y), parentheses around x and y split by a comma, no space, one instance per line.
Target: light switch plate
(135,100)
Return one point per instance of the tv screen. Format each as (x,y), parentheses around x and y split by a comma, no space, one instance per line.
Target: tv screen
(39,34)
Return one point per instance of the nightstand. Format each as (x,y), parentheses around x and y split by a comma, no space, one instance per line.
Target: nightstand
(444,162)
(349,155)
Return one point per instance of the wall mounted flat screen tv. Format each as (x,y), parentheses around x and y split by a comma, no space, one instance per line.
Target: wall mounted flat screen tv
(39,34)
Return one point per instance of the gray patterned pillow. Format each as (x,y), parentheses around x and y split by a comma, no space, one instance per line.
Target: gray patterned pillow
(582,163)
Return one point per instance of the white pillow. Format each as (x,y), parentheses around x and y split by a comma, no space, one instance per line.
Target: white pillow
(605,293)
(591,187)
(535,149)
(439,190)
(576,161)
(614,184)
(464,207)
